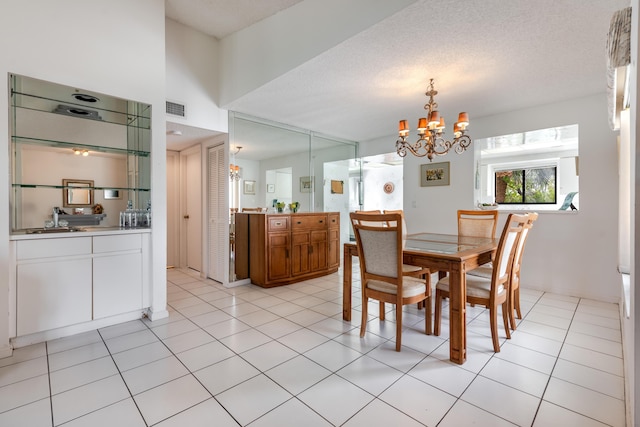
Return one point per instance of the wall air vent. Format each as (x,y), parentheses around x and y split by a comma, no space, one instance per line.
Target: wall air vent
(69,110)
(175,109)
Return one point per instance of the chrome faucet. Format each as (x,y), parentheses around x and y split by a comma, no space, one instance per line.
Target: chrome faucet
(56,211)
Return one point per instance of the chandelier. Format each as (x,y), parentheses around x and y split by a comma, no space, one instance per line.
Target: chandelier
(431,141)
(234,170)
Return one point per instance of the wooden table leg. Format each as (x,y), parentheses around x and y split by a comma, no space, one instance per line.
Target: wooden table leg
(457,316)
(347,270)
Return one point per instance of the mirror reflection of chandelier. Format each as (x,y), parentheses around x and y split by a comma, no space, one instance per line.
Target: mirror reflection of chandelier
(234,170)
(431,131)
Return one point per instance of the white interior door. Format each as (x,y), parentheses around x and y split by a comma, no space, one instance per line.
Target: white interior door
(218,233)
(193,209)
(173,209)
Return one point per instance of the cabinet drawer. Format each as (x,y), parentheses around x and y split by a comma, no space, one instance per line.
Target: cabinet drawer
(52,248)
(334,221)
(125,242)
(309,222)
(278,223)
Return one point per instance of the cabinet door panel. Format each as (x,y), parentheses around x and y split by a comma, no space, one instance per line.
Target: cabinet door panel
(334,248)
(278,256)
(52,295)
(300,249)
(318,257)
(117,284)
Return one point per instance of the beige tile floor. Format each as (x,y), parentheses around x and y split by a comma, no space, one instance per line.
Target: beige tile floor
(283,357)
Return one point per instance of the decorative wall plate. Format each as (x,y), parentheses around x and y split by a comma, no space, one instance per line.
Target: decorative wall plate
(388,188)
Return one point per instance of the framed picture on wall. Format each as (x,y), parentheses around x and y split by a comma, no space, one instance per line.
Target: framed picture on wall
(434,174)
(271,188)
(306,184)
(249,187)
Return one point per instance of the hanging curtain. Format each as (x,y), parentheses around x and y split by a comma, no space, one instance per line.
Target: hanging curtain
(618,55)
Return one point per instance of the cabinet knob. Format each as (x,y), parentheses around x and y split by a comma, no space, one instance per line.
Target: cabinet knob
(299,222)
(321,221)
(278,223)
(186,217)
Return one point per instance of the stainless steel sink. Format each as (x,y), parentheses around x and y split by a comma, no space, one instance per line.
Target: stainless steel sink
(53,230)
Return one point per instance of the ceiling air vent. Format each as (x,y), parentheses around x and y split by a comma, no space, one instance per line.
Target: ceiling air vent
(175,109)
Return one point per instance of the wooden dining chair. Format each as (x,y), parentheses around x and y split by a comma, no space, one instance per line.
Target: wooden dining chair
(380,252)
(492,292)
(514,285)
(407,269)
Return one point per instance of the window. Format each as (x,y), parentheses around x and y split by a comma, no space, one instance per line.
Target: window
(530,170)
(526,186)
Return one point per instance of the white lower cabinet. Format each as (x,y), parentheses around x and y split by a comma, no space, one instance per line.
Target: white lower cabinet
(53,284)
(117,274)
(67,281)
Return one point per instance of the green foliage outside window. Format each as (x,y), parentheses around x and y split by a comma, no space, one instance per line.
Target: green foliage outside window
(526,186)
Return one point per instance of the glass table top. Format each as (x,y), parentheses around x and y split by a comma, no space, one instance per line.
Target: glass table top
(443,243)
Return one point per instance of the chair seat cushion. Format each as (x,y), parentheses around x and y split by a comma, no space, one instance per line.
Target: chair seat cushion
(478,287)
(411,286)
(406,268)
(485,271)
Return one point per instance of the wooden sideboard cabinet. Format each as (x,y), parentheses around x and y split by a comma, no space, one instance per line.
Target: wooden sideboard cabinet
(288,248)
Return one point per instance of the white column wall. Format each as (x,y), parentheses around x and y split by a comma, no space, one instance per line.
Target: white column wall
(115,47)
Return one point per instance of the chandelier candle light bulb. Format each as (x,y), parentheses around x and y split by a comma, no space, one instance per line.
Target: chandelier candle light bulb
(431,142)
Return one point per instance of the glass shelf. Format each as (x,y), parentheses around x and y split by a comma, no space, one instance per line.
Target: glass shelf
(63,144)
(62,187)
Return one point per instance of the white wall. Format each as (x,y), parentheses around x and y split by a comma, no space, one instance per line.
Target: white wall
(120,53)
(630,329)
(561,243)
(192,77)
(374,181)
(260,53)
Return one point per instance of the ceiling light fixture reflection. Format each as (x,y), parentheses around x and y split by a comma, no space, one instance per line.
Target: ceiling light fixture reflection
(79,152)
(234,170)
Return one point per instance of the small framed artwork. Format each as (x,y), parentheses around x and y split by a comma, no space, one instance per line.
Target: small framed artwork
(249,187)
(271,188)
(337,187)
(111,194)
(434,174)
(306,184)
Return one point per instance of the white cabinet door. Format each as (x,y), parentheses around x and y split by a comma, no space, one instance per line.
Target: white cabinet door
(117,275)
(53,294)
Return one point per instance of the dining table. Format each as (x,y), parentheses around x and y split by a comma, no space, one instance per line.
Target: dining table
(450,254)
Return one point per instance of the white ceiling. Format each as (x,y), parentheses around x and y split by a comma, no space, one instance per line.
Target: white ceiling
(487,57)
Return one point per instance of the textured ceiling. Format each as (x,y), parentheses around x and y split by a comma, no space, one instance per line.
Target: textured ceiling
(487,57)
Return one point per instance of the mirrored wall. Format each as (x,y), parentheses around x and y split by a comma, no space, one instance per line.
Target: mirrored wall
(283,164)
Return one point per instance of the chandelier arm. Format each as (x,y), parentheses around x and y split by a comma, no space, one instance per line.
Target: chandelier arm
(463,142)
